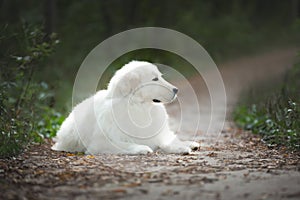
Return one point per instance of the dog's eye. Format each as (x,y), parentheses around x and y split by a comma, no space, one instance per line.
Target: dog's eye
(155,79)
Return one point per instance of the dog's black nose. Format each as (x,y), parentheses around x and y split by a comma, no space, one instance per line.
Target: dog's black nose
(175,90)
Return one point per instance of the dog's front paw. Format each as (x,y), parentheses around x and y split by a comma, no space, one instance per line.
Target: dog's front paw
(185,150)
(194,145)
(141,149)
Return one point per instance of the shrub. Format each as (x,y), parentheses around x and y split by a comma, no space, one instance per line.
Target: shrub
(24,103)
(277,117)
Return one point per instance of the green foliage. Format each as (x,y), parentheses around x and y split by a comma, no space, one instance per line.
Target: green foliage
(49,124)
(23,101)
(277,117)
(278,123)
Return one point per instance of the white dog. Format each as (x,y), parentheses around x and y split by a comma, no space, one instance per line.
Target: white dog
(129,117)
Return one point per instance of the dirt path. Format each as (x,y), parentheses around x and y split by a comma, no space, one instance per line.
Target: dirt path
(231,165)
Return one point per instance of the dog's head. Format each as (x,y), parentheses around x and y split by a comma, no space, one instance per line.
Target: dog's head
(141,82)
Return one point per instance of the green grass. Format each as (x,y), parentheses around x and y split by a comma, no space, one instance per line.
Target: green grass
(276,116)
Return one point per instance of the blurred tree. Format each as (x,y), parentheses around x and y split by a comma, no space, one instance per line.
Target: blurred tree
(50,16)
(224,28)
(295,7)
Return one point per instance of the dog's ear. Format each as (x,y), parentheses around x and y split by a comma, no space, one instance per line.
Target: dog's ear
(128,83)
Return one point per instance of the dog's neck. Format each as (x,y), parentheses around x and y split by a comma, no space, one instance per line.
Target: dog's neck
(139,114)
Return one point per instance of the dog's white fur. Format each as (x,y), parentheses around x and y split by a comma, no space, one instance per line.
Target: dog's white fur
(124,118)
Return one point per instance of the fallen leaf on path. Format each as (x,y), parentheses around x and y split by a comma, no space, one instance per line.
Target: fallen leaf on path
(90,156)
(132,184)
(119,190)
(212,154)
